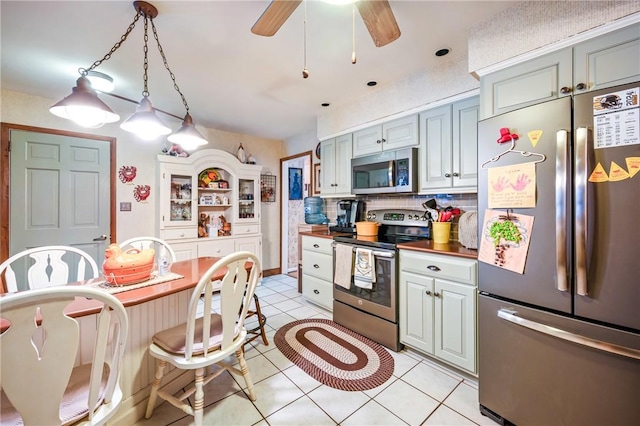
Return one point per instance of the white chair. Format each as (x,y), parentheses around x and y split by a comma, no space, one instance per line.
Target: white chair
(204,341)
(48,268)
(41,381)
(142,243)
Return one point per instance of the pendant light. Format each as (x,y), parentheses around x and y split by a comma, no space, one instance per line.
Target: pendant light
(85,108)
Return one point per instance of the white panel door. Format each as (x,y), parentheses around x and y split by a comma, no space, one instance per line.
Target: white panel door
(60,192)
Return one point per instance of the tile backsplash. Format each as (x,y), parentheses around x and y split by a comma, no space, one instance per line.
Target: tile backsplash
(465,202)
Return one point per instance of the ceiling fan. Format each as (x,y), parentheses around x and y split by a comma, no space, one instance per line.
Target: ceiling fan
(376,14)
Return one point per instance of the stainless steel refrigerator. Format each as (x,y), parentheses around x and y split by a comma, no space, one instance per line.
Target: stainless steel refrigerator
(559,343)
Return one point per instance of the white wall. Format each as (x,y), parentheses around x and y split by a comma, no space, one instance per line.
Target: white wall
(28,110)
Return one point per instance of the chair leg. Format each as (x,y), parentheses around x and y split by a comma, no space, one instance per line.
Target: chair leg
(198,406)
(245,373)
(154,388)
(261,320)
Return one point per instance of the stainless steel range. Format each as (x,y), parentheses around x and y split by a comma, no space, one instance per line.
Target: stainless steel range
(371,309)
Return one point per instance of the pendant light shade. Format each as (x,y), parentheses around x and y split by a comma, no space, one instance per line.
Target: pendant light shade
(187,135)
(84,107)
(144,123)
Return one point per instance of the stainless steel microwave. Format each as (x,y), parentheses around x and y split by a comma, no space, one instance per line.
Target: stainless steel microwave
(388,172)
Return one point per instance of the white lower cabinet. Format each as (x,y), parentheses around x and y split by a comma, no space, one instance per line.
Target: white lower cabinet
(317,271)
(437,307)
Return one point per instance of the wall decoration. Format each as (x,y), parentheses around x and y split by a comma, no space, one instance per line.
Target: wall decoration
(268,188)
(127,173)
(318,150)
(316,179)
(295,183)
(141,192)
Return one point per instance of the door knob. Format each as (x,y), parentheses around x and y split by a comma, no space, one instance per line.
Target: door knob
(581,86)
(102,237)
(378,141)
(565,90)
(428,293)
(455,174)
(447,175)
(436,294)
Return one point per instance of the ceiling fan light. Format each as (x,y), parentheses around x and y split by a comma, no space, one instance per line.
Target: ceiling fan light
(144,123)
(187,136)
(84,107)
(101,81)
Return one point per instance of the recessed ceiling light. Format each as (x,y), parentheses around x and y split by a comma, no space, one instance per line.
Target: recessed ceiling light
(325,104)
(442,52)
(371,83)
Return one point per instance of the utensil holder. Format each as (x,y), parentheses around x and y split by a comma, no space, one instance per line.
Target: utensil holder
(441,231)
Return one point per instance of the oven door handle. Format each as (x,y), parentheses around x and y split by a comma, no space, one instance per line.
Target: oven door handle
(387,254)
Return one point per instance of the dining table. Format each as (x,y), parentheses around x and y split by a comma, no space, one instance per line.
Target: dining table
(150,309)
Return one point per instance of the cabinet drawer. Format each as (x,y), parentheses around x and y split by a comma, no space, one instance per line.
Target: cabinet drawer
(216,247)
(239,230)
(179,234)
(322,245)
(319,265)
(317,291)
(440,266)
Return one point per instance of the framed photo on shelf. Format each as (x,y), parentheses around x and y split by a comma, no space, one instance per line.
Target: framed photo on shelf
(295,183)
(316,179)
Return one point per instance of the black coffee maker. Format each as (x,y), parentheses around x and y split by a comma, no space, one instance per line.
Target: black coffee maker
(349,212)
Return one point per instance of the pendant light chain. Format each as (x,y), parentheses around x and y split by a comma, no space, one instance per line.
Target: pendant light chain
(166,65)
(85,71)
(305,71)
(353,33)
(145,91)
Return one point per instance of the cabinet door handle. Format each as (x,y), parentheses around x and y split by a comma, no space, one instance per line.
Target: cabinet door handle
(581,86)
(316,266)
(433,268)
(316,291)
(447,175)
(378,141)
(428,293)
(456,174)
(383,140)
(436,294)
(565,90)
(316,246)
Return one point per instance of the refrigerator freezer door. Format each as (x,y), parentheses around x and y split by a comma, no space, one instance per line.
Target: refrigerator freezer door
(531,377)
(546,277)
(607,217)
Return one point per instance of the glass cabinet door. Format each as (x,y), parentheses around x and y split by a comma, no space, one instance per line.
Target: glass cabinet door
(246,199)
(180,199)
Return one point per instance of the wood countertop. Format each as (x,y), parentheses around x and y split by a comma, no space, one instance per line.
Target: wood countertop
(450,249)
(427,246)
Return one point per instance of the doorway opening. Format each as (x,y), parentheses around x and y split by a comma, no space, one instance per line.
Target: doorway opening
(292,208)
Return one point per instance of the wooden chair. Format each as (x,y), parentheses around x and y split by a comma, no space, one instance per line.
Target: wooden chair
(142,243)
(42,381)
(204,341)
(48,267)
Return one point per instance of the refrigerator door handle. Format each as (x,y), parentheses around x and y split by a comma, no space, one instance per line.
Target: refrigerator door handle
(509,315)
(561,209)
(580,243)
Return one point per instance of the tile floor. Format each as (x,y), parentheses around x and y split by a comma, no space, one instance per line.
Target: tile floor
(420,392)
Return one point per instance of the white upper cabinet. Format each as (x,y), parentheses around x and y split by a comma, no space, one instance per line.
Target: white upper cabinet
(335,169)
(448,147)
(601,62)
(394,134)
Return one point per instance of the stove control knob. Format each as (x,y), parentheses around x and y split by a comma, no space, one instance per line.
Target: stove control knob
(371,216)
(409,217)
(424,218)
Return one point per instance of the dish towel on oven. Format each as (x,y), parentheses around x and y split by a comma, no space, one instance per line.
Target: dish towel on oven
(364,274)
(344,265)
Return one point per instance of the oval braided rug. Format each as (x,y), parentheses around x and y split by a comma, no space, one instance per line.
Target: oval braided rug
(334,355)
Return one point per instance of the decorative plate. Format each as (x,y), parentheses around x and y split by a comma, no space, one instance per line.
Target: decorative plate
(318,150)
(209,175)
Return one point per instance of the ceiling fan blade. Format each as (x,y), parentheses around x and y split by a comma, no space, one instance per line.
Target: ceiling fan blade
(380,22)
(274,16)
